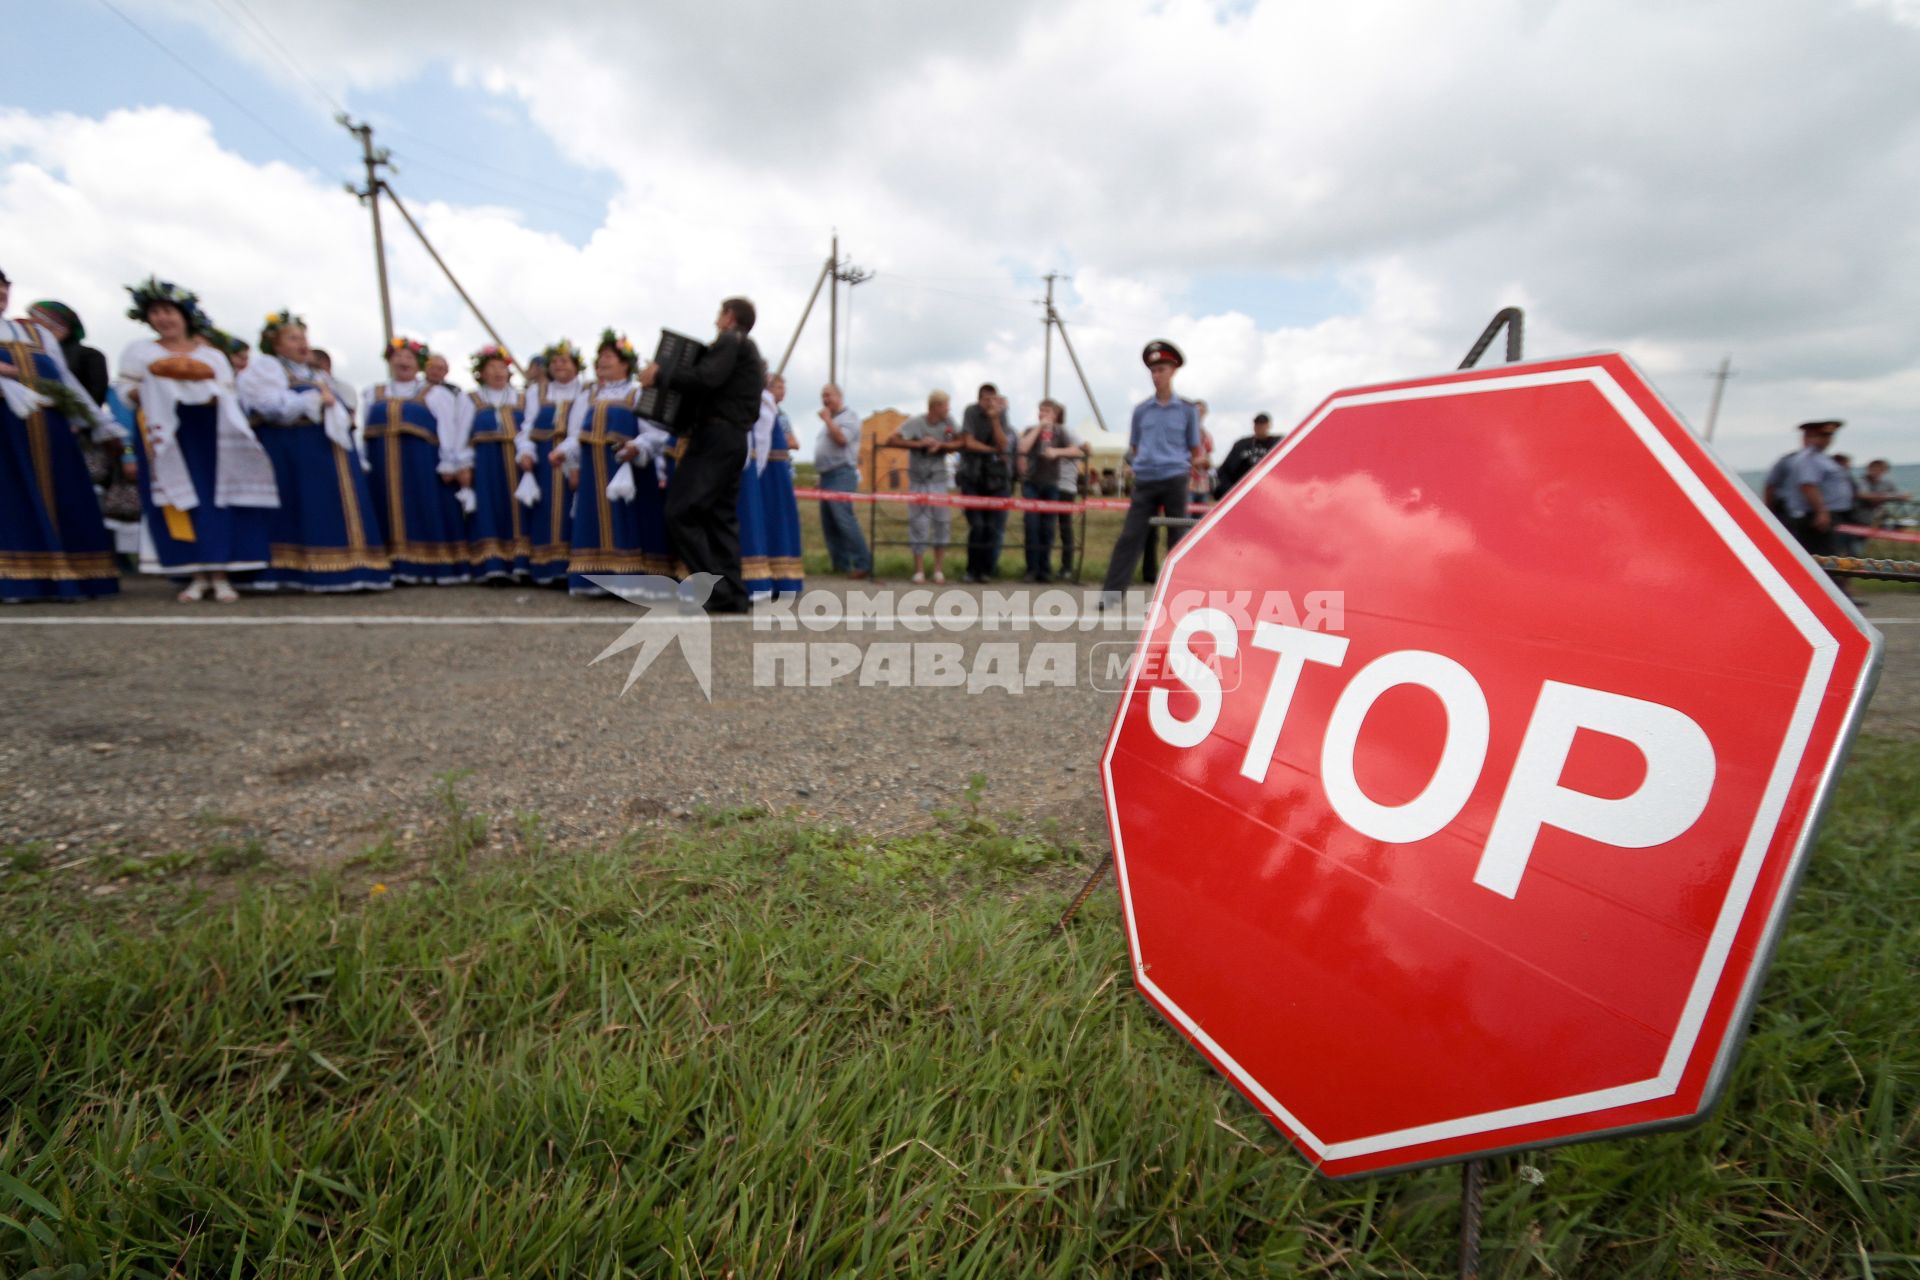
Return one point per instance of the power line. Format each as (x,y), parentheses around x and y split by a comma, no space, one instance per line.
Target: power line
(541,183)
(481,184)
(291,60)
(195,72)
(274,49)
(461,156)
(999,300)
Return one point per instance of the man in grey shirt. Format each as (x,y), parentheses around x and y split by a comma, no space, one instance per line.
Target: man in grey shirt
(836,457)
(930,437)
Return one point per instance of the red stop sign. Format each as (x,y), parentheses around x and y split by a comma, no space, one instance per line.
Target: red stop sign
(1474,746)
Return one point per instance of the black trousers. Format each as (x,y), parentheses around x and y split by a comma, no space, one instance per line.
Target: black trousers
(703,512)
(1066,535)
(986,530)
(1150,498)
(1818,542)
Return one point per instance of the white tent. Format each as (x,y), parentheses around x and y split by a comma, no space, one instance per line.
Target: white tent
(1108,446)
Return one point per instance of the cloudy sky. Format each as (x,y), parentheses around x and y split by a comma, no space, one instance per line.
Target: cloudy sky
(1303,196)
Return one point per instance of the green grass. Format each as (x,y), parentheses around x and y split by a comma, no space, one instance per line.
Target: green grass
(755,1048)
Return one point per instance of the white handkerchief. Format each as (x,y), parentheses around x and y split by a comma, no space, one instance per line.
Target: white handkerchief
(466,500)
(529,491)
(21,398)
(621,488)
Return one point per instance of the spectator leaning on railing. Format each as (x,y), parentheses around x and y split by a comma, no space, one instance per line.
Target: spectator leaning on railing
(1875,493)
(985,471)
(1044,449)
(930,437)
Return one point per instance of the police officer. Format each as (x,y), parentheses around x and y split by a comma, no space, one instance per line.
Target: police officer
(1163,447)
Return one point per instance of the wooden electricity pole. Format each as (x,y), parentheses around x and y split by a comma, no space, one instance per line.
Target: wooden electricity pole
(370,196)
(833,274)
(1046,323)
(1719,377)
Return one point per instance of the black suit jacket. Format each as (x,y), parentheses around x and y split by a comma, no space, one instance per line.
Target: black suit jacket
(728,380)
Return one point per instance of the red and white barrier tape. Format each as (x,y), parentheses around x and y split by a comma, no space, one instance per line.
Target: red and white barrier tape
(1884,535)
(1040,506)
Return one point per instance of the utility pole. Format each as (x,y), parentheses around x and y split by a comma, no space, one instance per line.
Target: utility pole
(1046,323)
(1054,321)
(1719,377)
(370,196)
(826,269)
(848,274)
(839,273)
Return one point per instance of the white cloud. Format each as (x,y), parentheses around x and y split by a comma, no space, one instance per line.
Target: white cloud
(1677,182)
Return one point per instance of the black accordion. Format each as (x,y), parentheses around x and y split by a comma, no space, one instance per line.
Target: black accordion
(676,409)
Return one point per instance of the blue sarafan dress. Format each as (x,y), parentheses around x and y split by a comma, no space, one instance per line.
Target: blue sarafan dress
(54,545)
(756,570)
(420,518)
(549,522)
(780,512)
(207,487)
(497,531)
(323,536)
(614,535)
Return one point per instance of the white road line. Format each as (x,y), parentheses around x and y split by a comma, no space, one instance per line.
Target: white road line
(1088,624)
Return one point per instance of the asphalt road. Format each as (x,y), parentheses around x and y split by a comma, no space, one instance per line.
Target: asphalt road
(323,726)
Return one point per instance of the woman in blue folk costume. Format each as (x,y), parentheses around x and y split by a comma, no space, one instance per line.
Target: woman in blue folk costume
(497,533)
(54,545)
(619,517)
(756,571)
(549,408)
(416,460)
(779,511)
(207,489)
(323,537)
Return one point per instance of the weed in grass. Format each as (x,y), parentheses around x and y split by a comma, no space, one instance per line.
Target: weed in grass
(383,856)
(530,834)
(462,830)
(23,859)
(231,859)
(156,866)
(23,866)
(725,1052)
(715,817)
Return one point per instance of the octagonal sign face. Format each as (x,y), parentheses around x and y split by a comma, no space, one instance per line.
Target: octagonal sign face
(1464,773)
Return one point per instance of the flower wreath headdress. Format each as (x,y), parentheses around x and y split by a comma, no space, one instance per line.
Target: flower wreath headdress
(486,353)
(275,322)
(153,289)
(619,343)
(395,345)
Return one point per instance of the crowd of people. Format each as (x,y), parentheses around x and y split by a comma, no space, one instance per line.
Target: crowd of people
(228,469)
(1814,492)
(980,454)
